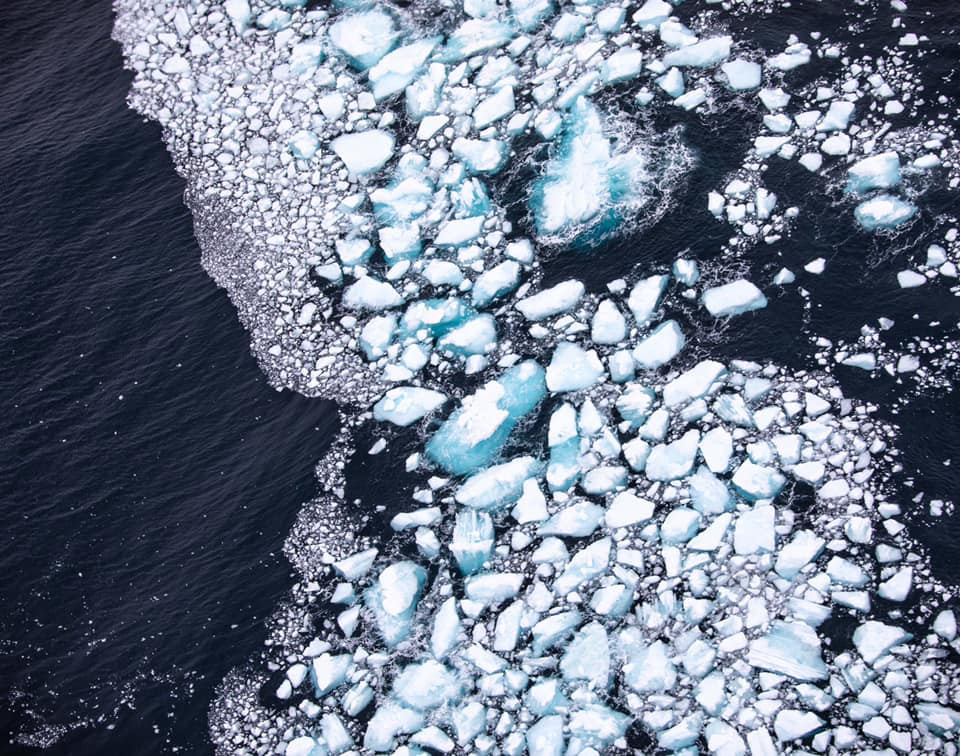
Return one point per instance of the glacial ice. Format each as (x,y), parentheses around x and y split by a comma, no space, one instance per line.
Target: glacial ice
(650,533)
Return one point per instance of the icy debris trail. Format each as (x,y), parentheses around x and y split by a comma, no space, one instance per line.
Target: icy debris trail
(604,530)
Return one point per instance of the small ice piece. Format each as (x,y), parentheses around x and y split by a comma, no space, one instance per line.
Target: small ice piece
(474,336)
(784,277)
(680,525)
(635,404)
(742,74)
(239,13)
(671,82)
(661,346)
(572,368)
(755,482)
(710,538)
(645,298)
(364,37)
(594,727)
(482,156)
(356,565)
(874,639)
(945,625)
(733,298)
(626,63)
(883,211)
(838,144)
(370,294)
(530,13)
(365,151)
(552,629)
(434,739)
(455,233)
(910,279)
(552,301)
(875,172)
(471,437)
(406,404)
(686,271)
(651,14)
(446,629)
(940,720)
(498,485)
(675,460)
(604,479)
(793,724)
(472,542)
(608,326)
(703,54)
(789,648)
(493,587)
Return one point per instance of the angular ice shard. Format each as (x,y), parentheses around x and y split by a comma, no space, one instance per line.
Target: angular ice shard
(585,565)
(586,188)
(471,437)
(496,282)
(573,368)
(576,521)
(552,301)
(473,539)
(680,525)
(675,460)
(754,481)
(663,344)
(498,485)
(702,54)
(692,384)
(609,326)
(475,36)
(874,639)
(645,298)
(789,648)
(365,151)
(708,494)
(734,298)
(390,721)
(546,736)
(793,724)
(398,68)
(803,549)
(482,156)
(364,37)
(884,211)
(407,404)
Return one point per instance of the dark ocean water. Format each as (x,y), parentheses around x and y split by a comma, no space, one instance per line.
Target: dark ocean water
(148,474)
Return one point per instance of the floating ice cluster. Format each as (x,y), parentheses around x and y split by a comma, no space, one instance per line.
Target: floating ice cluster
(615,542)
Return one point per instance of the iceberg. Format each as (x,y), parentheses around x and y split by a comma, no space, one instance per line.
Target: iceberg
(883,212)
(789,648)
(399,68)
(663,344)
(742,74)
(471,437)
(473,539)
(703,54)
(552,301)
(587,189)
(393,599)
(675,460)
(498,485)
(875,172)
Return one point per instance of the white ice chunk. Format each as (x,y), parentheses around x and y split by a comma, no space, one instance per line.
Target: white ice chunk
(364,152)
(733,298)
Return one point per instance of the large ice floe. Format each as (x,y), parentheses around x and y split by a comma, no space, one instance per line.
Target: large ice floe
(610,539)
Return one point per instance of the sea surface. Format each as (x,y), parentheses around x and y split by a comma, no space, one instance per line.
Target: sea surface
(148,472)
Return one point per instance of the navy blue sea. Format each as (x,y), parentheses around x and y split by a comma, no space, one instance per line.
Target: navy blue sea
(148,474)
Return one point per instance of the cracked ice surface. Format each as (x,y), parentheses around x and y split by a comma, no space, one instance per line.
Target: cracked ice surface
(610,531)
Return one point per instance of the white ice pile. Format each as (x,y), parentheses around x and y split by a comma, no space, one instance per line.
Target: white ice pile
(609,540)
